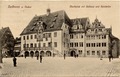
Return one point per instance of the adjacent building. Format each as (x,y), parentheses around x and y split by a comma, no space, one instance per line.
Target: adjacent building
(17,47)
(55,34)
(7,41)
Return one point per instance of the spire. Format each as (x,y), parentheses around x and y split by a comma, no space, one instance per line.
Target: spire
(96,20)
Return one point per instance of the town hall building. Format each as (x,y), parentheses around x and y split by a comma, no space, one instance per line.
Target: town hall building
(55,34)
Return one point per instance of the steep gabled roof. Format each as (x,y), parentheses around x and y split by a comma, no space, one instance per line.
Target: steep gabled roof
(2,31)
(80,21)
(52,22)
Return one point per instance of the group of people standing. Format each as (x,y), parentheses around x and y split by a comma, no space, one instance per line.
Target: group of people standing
(15,59)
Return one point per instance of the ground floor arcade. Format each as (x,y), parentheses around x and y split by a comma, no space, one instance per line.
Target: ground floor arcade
(70,53)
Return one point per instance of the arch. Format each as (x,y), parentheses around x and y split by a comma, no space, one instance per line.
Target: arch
(31,53)
(26,53)
(48,53)
(73,53)
(42,53)
(36,53)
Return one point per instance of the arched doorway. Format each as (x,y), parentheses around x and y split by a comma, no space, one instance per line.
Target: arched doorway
(72,53)
(31,53)
(48,53)
(26,53)
(42,53)
(36,53)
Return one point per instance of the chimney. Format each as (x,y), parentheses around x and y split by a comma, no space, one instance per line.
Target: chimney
(48,11)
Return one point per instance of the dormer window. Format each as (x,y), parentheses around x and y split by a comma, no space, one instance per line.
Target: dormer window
(52,26)
(56,15)
(32,29)
(95,30)
(54,20)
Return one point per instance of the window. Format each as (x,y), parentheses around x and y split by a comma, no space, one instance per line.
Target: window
(76,44)
(71,44)
(103,44)
(23,37)
(81,36)
(88,52)
(35,36)
(31,36)
(71,36)
(31,45)
(35,45)
(99,36)
(100,30)
(43,44)
(27,45)
(49,34)
(39,44)
(81,44)
(64,34)
(46,39)
(103,52)
(49,44)
(92,44)
(27,37)
(98,52)
(104,36)
(99,44)
(55,34)
(55,44)
(43,35)
(24,45)
(93,52)
(80,51)
(87,45)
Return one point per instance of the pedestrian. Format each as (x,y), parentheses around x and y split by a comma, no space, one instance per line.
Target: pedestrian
(25,56)
(40,58)
(112,57)
(77,55)
(64,55)
(14,61)
(37,57)
(109,56)
(101,57)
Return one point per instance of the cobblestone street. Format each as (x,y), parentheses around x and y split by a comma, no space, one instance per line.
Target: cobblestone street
(57,66)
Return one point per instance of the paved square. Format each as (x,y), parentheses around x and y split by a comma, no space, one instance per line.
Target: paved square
(57,66)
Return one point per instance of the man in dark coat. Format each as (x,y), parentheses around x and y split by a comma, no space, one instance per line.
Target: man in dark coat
(37,57)
(14,61)
(64,55)
(40,58)
(109,56)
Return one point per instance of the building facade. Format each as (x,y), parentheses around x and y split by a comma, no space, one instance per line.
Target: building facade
(55,34)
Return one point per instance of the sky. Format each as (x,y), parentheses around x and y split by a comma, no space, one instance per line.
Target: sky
(17,14)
